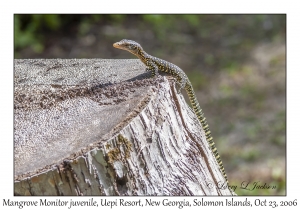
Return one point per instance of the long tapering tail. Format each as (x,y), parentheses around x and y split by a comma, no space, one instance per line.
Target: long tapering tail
(202,119)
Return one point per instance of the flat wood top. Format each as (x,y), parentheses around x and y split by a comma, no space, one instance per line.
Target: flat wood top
(76,71)
(65,106)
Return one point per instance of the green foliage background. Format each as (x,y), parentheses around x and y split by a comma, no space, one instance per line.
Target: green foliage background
(235,62)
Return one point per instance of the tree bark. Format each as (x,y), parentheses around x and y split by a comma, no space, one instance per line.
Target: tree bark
(102,127)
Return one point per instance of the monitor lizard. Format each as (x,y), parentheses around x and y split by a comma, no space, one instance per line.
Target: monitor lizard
(154,65)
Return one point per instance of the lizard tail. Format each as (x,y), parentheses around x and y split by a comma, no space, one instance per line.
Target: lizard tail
(198,111)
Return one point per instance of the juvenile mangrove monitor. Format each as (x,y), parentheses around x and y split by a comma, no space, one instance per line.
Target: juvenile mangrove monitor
(155,65)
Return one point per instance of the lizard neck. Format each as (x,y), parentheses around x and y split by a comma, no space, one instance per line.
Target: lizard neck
(143,56)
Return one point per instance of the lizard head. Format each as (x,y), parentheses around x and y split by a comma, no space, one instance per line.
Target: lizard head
(129,45)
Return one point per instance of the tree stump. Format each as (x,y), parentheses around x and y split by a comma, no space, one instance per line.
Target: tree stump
(103,127)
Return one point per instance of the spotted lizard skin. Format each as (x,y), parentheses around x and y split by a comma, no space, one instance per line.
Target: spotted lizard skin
(155,65)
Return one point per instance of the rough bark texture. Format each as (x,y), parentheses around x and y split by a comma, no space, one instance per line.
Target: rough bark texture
(98,127)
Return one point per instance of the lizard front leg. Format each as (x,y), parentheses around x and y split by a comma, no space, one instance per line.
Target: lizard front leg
(153,68)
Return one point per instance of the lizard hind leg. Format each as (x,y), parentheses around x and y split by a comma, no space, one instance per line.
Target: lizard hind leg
(182,84)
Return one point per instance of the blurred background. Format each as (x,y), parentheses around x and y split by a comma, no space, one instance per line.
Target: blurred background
(236,63)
